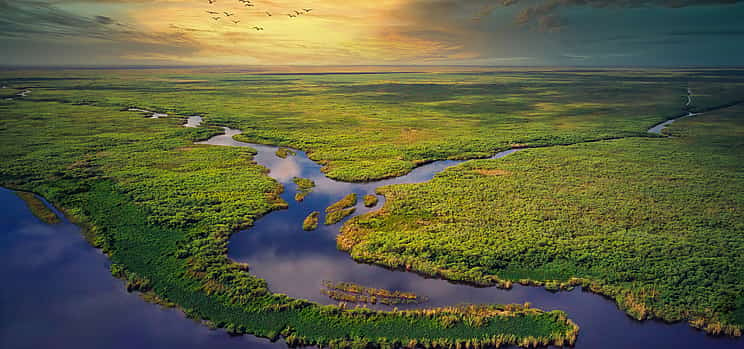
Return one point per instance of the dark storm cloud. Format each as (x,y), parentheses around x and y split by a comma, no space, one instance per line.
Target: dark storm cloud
(40,20)
(104,20)
(41,33)
(708,33)
(545,13)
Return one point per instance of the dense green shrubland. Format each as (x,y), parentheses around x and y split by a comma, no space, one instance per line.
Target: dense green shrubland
(655,224)
(163,209)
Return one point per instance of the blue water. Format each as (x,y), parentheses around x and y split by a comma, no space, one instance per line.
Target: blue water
(57,292)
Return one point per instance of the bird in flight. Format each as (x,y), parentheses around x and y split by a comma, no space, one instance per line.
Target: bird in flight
(297,12)
(212,1)
(228,14)
(268,13)
(236,21)
(213,13)
(307,10)
(216,18)
(291,15)
(258,28)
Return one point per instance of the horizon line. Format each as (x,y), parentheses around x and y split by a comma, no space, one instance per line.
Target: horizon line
(286,66)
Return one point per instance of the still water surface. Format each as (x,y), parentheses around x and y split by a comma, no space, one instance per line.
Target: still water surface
(57,292)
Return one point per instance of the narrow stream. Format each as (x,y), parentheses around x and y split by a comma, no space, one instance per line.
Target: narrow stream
(19,94)
(153,115)
(657,129)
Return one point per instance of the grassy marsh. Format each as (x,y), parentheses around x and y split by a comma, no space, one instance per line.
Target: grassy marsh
(163,208)
(653,223)
(354,293)
(364,127)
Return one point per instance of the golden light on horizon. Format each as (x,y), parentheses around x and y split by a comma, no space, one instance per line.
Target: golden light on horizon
(347,32)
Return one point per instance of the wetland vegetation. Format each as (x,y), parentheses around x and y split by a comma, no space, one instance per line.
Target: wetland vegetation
(353,293)
(653,223)
(163,208)
(38,208)
(304,187)
(370,200)
(341,209)
(372,126)
(657,233)
(311,221)
(284,152)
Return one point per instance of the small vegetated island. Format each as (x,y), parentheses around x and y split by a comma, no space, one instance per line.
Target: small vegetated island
(341,209)
(370,200)
(652,222)
(353,293)
(304,187)
(311,221)
(284,153)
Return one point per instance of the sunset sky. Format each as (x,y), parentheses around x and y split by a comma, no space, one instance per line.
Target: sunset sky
(373,32)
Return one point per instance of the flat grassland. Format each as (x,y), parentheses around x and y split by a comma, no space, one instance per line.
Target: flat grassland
(163,208)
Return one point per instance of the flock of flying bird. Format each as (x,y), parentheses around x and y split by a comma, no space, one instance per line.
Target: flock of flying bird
(216,16)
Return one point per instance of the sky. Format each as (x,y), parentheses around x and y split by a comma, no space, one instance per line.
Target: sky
(372,32)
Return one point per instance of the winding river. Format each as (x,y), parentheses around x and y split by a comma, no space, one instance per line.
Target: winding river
(88,308)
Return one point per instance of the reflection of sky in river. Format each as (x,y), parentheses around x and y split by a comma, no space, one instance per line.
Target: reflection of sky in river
(58,293)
